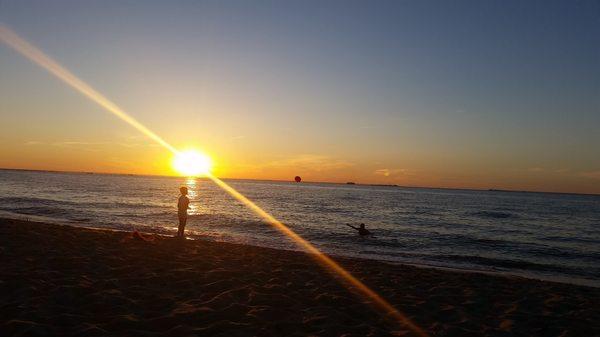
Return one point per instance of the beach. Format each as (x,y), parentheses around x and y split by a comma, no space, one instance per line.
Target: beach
(62,280)
(395,168)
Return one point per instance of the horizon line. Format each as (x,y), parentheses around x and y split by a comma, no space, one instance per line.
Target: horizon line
(353,183)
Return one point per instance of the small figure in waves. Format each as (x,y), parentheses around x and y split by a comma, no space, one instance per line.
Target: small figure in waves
(361,229)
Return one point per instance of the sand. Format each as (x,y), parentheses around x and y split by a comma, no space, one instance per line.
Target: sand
(68,281)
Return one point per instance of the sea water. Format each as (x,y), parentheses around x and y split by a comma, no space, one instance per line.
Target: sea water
(538,235)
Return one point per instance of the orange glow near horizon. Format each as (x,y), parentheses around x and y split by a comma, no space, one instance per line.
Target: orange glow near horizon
(194,163)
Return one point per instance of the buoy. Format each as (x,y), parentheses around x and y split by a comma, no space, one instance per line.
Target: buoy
(298,179)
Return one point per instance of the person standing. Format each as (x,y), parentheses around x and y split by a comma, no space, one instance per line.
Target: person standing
(182,206)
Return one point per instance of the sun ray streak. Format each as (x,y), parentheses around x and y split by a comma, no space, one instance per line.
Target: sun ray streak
(321,258)
(37,56)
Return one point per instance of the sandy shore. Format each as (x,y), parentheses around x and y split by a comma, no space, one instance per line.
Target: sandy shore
(60,280)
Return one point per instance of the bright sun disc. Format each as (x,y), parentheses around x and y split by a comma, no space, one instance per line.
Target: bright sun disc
(192,163)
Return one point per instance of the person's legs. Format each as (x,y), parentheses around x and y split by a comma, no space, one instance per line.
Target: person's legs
(181,229)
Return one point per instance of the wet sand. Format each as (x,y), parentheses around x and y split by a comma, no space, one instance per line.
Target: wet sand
(68,281)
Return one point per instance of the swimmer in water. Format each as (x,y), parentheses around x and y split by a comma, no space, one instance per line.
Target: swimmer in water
(361,230)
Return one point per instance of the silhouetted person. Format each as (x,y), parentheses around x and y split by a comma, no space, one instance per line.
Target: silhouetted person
(361,230)
(182,206)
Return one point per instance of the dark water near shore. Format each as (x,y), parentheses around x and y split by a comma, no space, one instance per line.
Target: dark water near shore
(540,235)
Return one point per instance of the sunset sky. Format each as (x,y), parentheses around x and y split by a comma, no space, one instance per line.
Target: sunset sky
(467,94)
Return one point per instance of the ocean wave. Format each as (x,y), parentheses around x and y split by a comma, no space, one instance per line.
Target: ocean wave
(11,201)
(172,213)
(39,210)
(7,202)
(493,214)
(545,234)
(520,264)
(570,239)
(81,219)
(474,240)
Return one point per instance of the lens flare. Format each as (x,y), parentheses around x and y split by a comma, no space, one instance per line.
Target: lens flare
(192,163)
(323,259)
(34,54)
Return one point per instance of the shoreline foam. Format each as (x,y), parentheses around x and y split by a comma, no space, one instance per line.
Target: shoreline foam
(4,216)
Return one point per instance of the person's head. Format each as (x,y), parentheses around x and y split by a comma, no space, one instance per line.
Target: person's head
(362,225)
(183,190)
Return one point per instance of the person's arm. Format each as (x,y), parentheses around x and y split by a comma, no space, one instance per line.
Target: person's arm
(349,225)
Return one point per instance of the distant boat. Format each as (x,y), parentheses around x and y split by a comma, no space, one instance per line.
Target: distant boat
(350,183)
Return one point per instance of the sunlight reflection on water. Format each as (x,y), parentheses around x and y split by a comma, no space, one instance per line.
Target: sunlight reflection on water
(535,234)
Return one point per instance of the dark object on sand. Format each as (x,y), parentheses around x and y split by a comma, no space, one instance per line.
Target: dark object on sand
(137,236)
(297,179)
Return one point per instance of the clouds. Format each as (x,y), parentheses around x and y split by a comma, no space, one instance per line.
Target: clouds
(315,163)
(386,172)
(76,143)
(89,146)
(563,172)
(591,175)
(311,162)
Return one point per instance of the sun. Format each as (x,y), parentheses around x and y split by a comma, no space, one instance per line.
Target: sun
(192,163)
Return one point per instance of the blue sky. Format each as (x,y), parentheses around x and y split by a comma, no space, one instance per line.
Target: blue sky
(455,94)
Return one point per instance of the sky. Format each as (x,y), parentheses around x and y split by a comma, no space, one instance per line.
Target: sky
(461,94)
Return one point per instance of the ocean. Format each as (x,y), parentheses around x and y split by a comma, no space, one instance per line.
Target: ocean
(536,235)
